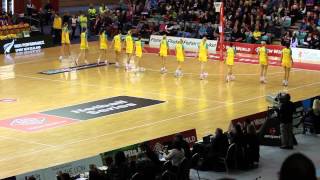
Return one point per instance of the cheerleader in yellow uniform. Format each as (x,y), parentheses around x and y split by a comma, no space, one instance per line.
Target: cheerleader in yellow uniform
(203,57)
(84,46)
(180,58)
(103,46)
(117,45)
(286,62)
(263,60)
(138,51)
(129,49)
(65,41)
(231,52)
(164,51)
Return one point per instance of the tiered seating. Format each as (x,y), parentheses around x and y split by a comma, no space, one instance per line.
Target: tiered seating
(12,31)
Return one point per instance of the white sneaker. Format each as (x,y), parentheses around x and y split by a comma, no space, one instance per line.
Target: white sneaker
(117,65)
(228,79)
(283,82)
(205,74)
(265,80)
(163,70)
(261,79)
(177,73)
(286,83)
(142,69)
(232,78)
(202,76)
(60,58)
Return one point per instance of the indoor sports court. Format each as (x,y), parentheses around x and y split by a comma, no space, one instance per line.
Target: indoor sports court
(94,89)
(188,103)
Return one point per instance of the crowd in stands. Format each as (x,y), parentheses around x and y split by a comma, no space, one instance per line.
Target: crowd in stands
(294,22)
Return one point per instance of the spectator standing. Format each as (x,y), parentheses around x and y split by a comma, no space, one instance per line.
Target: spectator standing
(92,13)
(48,8)
(57,26)
(83,20)
(30,8)
(94,173)
(74,22)
(286,111)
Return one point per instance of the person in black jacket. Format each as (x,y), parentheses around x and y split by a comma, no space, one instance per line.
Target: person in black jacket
(219,144)
(286,111)
(94,173)
(252,146)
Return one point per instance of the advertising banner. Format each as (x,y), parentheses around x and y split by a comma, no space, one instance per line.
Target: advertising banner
(73,168)
(190,44)
(26,45)
(306,55)
(273,50)
(102,107)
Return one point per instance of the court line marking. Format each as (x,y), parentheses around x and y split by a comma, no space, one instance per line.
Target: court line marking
(150,124)
(115,88)
(29,142)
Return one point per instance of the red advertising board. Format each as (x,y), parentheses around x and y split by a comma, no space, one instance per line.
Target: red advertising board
(257,120)
(273,50)
(157,144)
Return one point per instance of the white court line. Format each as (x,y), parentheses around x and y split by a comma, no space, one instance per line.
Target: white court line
(29,142)
(149,124)
(122,89)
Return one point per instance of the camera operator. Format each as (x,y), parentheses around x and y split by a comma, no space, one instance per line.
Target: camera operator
(286,110)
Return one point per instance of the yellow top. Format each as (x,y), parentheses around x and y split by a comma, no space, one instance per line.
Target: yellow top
(83,21)
(164,48)
(65,35)
(129,44)
(256,34)
(230,56)
(286,57)
(138,45)
(203,51)
(83,41)
(117,42)
(179,52)
(263,55)
(57,23)
(103,41)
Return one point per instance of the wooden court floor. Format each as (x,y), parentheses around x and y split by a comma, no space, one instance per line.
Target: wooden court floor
(190,103)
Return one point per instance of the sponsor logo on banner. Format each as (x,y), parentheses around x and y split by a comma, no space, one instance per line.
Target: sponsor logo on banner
(190,44)
(7,47)
(35,122)
(74,168)
(273,50)
(103,107)
(27,45)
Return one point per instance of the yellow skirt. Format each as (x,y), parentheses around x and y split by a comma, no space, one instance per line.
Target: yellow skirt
(263,62)
(230,61)
(103,46)
(84,46)
(129,50)
(180,58)
(286,64)
(203,58)
(65,39)
(163,53)
(117,49)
